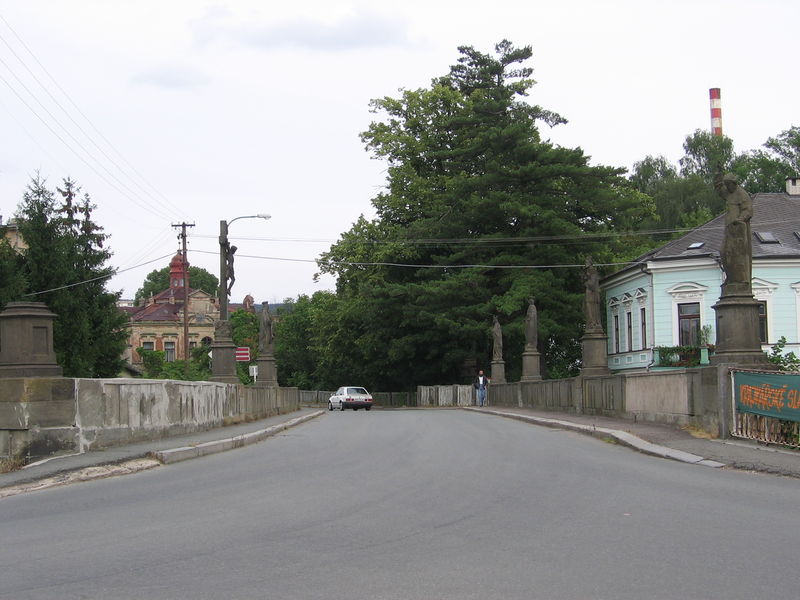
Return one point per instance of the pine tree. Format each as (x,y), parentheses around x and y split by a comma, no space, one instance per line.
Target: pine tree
(65,268)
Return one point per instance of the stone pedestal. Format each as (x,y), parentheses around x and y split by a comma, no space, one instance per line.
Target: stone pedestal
(26,341)
(594,350)
(267,371)
(737,331)
(531,366)
(223,357)
(498,371)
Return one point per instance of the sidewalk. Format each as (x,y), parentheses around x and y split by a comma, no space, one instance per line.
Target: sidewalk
(667,441)
(138,456)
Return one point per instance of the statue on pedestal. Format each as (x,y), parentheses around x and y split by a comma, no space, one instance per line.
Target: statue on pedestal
(531,326)
(591,299)
(265,330)
(737,245)
(497,340)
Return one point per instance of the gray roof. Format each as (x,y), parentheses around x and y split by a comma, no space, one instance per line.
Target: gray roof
(778,214)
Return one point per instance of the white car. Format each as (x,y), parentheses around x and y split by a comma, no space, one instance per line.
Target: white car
(350,397)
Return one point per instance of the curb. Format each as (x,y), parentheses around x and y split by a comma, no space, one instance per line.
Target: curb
(623,437)
(188,452)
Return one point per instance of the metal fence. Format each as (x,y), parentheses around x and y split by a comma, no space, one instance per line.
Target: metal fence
(766,406)
(766,429)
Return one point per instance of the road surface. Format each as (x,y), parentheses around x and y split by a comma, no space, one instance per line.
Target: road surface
(406,505)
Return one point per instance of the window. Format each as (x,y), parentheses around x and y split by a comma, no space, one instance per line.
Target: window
(629,341)
(689,324)
(149,345)
(616,333)
(767,237)
(169,351)
(696,245)
(643,324)
(762,322)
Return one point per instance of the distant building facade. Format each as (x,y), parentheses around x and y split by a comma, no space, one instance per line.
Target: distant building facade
(12,234)
(158,323)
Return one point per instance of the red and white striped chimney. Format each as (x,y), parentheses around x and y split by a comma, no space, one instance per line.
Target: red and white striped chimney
(715,98)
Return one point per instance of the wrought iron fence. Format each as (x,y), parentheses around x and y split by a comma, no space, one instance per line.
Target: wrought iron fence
(767,429)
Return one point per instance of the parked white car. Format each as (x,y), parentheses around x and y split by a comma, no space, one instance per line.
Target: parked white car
(350,397)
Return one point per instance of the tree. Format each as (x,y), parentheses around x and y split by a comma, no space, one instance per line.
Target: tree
(760,171)
(294,340)
(244,331)
(64,266)
(704,152)
(786,145)
(486,213)
(157,281)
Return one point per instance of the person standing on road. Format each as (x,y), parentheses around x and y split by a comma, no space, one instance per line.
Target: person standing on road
(481,384)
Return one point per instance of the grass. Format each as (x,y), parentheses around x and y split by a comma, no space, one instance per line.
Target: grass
(698,432)
(7,465)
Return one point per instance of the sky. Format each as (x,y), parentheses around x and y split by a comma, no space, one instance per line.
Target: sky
(186,111)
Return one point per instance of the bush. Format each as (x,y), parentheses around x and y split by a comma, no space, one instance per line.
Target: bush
(784,362)
(678,356)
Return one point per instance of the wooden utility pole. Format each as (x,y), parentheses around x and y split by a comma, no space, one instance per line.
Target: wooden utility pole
(182,237)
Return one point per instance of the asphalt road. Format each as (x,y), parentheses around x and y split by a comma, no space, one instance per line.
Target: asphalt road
(426,504)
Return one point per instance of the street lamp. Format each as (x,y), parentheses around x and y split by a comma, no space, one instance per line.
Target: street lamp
(223,363)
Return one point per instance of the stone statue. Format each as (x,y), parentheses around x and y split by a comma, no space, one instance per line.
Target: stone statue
(497,340)
(265,329)
(249,304)
(531,326)
(591,299)
(229,259)
(737,245)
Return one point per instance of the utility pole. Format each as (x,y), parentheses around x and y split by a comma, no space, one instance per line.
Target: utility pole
(182,237)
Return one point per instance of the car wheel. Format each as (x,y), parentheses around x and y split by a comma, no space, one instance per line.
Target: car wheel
(330,406)
(341,406)
(367,407)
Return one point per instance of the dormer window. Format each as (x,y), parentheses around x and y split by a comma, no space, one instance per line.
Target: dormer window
(767,237)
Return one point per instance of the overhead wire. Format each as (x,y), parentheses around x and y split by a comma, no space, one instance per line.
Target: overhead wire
(125,190)
(80,112)
(106,276)
(413,266)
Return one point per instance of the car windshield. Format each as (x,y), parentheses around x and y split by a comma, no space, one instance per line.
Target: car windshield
(360,391)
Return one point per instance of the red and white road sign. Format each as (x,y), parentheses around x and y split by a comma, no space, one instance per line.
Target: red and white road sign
(243,354)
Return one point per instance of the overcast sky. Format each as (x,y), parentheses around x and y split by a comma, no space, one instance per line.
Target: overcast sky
(169,111)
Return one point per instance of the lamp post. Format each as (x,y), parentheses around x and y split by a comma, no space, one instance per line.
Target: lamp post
(223,363)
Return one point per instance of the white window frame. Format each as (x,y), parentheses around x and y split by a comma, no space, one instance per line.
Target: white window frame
(686,293)
(764,291)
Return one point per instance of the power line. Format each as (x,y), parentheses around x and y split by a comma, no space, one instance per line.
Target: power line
(152,207)
(413,266)
(487,241)
(107,276)
(77,108)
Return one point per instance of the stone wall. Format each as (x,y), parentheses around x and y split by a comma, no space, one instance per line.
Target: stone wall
(696,396)
(44,416)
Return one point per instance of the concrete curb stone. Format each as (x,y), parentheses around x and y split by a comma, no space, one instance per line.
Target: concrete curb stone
(188,452)
(623,437)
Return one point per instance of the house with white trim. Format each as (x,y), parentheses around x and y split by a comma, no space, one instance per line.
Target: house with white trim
(665,297)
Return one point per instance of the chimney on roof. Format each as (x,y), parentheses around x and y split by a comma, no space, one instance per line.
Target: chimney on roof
(793,186)
(715,99)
